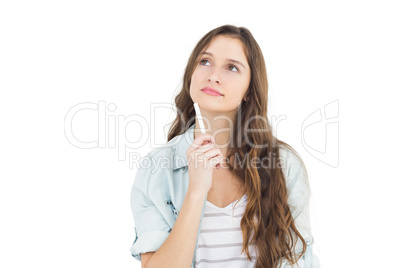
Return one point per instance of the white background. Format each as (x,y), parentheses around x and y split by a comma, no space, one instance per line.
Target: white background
(65,206)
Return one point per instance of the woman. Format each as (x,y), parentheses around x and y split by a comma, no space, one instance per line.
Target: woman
(253,211)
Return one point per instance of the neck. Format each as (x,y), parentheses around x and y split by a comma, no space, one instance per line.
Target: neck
(218,125)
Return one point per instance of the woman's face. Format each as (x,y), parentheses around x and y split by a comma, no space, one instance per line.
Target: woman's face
(216,69)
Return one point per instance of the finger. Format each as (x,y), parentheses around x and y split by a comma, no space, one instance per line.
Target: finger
(212,153)
(218,160)
(201,139)
(215,162)
(204,148)
(219,166)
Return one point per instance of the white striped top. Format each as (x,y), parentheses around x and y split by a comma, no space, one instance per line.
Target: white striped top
(220,240)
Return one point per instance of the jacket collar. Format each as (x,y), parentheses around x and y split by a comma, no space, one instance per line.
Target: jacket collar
(183,143)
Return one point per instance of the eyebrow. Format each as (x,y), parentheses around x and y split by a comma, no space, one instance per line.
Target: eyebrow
(231,60)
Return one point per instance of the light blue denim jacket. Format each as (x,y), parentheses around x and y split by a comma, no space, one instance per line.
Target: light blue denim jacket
(161,183)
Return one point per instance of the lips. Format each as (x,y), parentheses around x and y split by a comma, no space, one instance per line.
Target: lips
(211,90)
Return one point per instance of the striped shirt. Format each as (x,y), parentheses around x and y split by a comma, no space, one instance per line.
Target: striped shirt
(220,241)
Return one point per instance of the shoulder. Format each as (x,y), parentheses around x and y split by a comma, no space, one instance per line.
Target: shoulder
(157,165)
(293,167)
(290,159)
(163,152)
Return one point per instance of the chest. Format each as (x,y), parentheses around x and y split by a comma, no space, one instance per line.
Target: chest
(220,239)
(225,188)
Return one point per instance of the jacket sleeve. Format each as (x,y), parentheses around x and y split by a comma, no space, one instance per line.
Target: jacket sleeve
(150,227)
(298,199)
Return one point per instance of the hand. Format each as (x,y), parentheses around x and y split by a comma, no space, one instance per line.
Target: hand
(202,158)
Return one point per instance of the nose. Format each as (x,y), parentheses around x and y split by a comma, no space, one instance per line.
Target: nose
(214,79)
(214,75)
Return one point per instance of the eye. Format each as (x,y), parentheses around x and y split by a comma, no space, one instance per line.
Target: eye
(203,60)
(230,66)
(237,69)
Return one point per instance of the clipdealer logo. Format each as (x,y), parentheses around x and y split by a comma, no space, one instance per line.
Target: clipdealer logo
(111,128)
(319,131)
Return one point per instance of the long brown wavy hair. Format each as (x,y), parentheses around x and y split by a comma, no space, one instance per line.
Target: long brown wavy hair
(265,187)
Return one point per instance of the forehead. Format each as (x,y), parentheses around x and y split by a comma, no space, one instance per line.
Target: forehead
(223,47)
